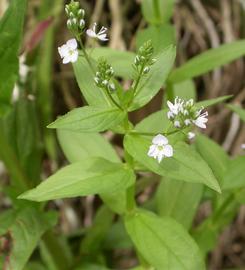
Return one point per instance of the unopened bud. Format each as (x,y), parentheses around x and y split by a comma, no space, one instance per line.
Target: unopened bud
(146,70)
(82,23)
(111,87)
(105,82)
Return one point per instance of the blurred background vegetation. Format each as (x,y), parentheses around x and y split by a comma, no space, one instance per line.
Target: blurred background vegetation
(47,88)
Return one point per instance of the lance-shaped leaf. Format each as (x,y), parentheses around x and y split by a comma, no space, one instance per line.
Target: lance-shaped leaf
(11,27)
(238,110)
(173,199)
(78,146)
(89,119)
(213,154)
(208,61)
(186,164)
(211,102)
(163,242)
(121,61)
(151,83)
(85,79)
(23,236)
(90,176)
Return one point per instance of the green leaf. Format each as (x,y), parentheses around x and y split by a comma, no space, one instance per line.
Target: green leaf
(185,90)
(21,129)
(157,11)
(96,234)
(211,102)
(161,36)
(85,79)
(186,164)
(173,199)
(157,122)
(238,110)
(163,243)
(24,235)
(208,61)
(11,26)
(151,83)
(121,61)
(89,119)
(6,219)
(78,146)
(90,176)
(234,176)
(213,154)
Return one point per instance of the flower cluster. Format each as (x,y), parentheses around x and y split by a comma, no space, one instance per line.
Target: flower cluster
(143,60)
(184,113)
(160,148)
(76,24)
(75,14)
(104,75)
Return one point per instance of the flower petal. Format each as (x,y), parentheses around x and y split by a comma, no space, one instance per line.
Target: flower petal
(160,140)
(74,56)
(91,33)
(63,50)
(152,151)
(168,150)
(72,44)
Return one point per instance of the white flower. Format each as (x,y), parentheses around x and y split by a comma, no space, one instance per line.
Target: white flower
(68,52)
(191,135)
(187,122)
(160,148)
(175,107)
(101,35)
(201,120)
(177,124)
(243,146)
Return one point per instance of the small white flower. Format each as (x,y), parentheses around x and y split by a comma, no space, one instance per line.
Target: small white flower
(160,148)
(170,115)
(101,35)
(187,122)
(243,146)
(177,124)
(175,107)
(68,52)
(201,120)
(191,135)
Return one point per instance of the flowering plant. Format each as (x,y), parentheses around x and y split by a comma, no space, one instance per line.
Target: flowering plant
(165,151)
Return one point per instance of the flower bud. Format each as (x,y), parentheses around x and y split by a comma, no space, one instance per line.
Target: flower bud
(111,87)
(82,23)
(146,70)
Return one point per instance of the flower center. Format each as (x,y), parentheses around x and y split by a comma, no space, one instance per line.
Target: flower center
(160,147)
(71,52)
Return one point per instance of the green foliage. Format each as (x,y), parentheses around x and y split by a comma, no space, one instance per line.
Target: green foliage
(163,242)
(79,146)
(211,102)
(208,61)
(150,84)
(89,119)
(186,164)
(90,176)
(22,241)
(234,176)
(214,155)
(10,39)
(173,199)
(238,110)
(157,11)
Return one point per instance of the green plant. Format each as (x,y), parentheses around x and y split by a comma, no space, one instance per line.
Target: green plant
(189,172)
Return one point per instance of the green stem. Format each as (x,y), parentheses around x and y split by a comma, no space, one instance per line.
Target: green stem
(109,96)
(223,207)
(170,92)
(85,54)
(153,133)
(130,193)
